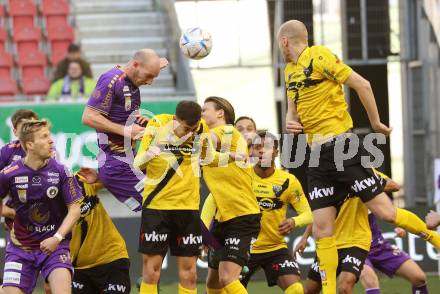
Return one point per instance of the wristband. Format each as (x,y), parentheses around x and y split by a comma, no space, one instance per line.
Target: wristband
(59,237)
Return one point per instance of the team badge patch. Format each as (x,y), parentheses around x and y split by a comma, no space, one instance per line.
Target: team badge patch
(52,192)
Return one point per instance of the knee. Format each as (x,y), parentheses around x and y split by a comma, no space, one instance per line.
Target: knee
(369,280)
(418,278)
(188,275)
(387,215)
(225,279)
(346,286)
(151,273)
(322,230)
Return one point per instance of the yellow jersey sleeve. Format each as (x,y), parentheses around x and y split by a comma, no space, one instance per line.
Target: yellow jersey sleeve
(140,161)
(330,66)
(208,210)
(289,93)
(299,202)
(382,175)
(209,155)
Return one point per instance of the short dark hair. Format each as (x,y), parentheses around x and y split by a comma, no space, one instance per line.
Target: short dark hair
(22,114)
(266,134)
(27,133)
(73,48)
(225,105)
(248,118)
(189,111)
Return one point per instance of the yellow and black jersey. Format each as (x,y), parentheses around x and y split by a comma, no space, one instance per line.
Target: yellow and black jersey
(352,227)
(274,194)
(315,85)
(230,183)
(95,239)
(172,178)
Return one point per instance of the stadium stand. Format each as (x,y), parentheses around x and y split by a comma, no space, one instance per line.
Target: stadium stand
(31,34)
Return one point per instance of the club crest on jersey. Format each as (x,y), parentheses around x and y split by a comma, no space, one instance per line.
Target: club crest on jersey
(16,157)
(22,195)
(52,192)
(276,188)
(127,97)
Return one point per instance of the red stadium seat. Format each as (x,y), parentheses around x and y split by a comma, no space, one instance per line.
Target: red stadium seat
(58,51)
(59,37)
(6,64)
(22,7)
(55,7)
(27,34)
(22,13)
(35,85)
(62,33)
(6,59)
(27,39)
(31,58)
(8,87)
(56,20)
(3,38)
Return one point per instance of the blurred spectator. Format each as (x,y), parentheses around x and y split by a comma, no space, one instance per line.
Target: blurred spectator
(73,54)
(73,86)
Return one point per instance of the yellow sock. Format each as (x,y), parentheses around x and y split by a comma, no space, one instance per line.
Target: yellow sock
(215,291)
(235,288)
(413,224)
(328,263)
(183,290)
(148,288)
(296,288)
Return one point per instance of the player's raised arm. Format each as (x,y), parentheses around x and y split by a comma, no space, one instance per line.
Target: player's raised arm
(293,125)
(147,151)
(365,93)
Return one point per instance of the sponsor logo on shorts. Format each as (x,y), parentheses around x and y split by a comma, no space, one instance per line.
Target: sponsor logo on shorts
(21,180)
(315,267)
(154,237)
(364,184)
(396,250)
(286,264)
(232,243)
(320,193)
(52,192)
(116,287)
(353,260)
(11,278)
(77,285)
(189,240)
(13,265)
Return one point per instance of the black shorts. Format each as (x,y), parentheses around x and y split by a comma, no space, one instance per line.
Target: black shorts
(275,264)
(236,235)
(350,260)
(177,229)
(113,277)
(333,179)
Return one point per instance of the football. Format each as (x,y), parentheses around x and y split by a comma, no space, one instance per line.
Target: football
(195,43)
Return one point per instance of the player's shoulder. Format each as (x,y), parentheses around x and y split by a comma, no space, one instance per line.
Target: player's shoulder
(111,76)
(13,145)
(56,166)
(161,119)
(318,50)
(293,181)
(12,169)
